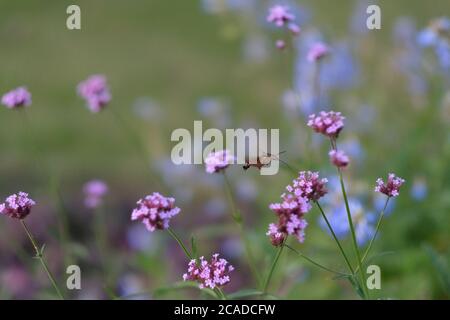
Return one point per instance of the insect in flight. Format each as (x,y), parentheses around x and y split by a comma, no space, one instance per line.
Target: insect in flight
(262,161)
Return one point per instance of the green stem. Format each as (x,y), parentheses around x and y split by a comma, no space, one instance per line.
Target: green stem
(41,259)
(376,231)
(177,239)
(237,217)
(352,229)
(316,263)
(272,268)
(335,238)
(221,295)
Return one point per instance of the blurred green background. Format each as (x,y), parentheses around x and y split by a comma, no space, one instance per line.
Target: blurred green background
(169,63)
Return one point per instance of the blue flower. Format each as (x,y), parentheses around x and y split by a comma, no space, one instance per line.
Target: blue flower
(419,189)
(364,223)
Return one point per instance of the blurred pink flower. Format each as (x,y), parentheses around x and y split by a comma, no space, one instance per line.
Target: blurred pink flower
(17,98)
(17,206)
(339,158)
(218,161)
(327,123)
(308,185)
(317,52)
(155,211)
(94,192)
(209,274)
(294,28)
(280,44)
(279,15)
(392,187)
(17,281)
(95,91)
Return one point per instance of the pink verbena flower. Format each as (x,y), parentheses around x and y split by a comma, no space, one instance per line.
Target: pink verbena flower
(339,158)
(279,15)
(95,91)
(17,206)
(317,52)
(392,187)
(155,211)
(280,44)
(17,98)
(308,185)
(294,28)
(290,214)
(209,274)
(94,192)
(276,236)
(327,123)
(218,161)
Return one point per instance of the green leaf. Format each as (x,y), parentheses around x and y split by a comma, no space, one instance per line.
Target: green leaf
(357,287)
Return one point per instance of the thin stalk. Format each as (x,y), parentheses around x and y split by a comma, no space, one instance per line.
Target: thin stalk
(41,259)
(272,268)
(316,84)
(316,263)
(177,239)
(366,253)
(237,217)
(221,295)
(335,238)
(352,229)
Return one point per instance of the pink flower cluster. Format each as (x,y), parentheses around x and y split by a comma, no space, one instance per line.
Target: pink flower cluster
(308,185)
(290,214)
(306,188)
(327,123)
(317,52)
(339,158)
(94,192)
(17,98)
(218,161)
(212,274)
(95,91)
(155,211)
(282,17)
(17,206)
(392,187)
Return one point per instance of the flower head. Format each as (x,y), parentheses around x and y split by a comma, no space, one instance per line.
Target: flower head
(218,161)
(94,192)
(17,206)
(392,187)
(17,98)
(290,214)
(276,236)
(327,123)
(280,44)
(317,52)
(279,15)
(308,185)
(95,91)
(339,158)
(209,274)
(155,211)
